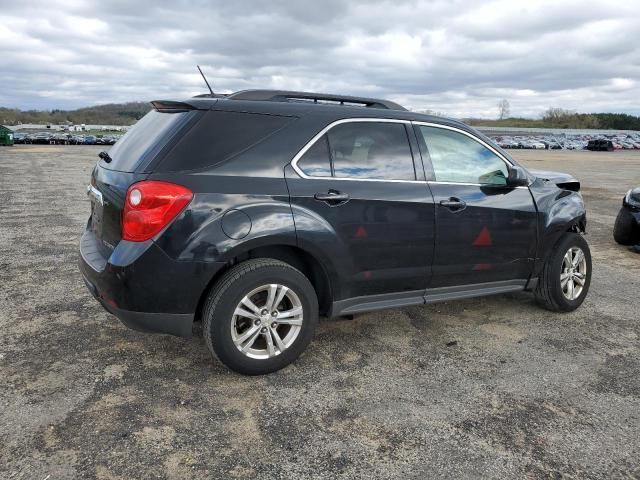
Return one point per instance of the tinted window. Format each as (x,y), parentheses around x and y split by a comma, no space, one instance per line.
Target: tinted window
(371,150)
(144,139)
(218,136)
(315,162)
(458,158)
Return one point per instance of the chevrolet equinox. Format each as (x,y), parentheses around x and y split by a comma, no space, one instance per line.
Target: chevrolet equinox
(245,217)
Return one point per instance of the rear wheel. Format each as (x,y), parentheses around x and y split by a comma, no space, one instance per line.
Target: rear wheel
(260,316)
(566,276)
(624,228)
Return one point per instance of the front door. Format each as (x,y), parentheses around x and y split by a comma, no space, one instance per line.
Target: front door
(485,231)
(355,197)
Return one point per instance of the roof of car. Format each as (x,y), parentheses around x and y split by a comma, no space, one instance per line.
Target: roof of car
(285,102)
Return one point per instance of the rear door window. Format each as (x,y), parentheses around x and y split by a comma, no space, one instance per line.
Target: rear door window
(361,150)
(371,150)
(144,140)
(316,161)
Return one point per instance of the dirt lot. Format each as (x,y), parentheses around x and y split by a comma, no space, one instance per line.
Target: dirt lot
(523,392)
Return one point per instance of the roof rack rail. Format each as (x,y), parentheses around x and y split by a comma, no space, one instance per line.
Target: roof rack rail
(208,95)
(292,96)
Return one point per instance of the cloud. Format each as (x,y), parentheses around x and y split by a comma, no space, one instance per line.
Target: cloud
(457,57)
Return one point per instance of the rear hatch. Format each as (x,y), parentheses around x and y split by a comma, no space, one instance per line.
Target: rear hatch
(131,160)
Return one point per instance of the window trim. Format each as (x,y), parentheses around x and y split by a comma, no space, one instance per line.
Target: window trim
(318,136)
(410,124)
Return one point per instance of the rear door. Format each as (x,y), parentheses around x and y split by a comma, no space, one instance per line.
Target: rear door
(359,198)
(486,231)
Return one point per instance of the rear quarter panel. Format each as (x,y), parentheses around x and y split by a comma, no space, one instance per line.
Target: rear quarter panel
(229,215)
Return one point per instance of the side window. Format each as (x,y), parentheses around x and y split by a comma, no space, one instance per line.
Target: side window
(371,150)
(316,162)
(458,158)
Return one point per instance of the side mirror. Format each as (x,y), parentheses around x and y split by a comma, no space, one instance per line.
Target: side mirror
(517,177)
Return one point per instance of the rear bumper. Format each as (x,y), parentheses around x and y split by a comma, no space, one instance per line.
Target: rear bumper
(143,287)
(179,324)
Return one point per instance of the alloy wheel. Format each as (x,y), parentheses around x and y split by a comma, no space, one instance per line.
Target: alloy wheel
(573,273)
(267,321)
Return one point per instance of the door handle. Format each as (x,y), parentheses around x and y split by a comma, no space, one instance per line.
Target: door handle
(332,197)
(454,204)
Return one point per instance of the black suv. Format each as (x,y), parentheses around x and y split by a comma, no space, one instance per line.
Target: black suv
(245,217)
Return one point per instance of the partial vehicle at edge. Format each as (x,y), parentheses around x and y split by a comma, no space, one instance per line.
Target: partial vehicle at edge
(626,230)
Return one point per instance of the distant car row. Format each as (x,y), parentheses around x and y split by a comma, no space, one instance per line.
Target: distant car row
(64,139)
(539,142)
(575,142)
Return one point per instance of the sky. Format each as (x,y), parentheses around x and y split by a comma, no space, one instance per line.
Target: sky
(456,57)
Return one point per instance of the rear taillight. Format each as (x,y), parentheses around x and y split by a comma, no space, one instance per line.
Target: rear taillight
(150,206)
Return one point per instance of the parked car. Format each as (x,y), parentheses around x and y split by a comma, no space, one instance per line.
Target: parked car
(62,139)
(626,230)
(534,143)
(40,138)
(508,143)
(248,217)
(600,144)
(105,140)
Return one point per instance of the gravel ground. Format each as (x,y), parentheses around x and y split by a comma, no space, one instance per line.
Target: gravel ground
(492,387)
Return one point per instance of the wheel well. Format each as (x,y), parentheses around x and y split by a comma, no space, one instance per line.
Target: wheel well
(294,256)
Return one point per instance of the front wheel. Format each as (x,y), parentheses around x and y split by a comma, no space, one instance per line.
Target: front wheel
(260,316)
(566,275)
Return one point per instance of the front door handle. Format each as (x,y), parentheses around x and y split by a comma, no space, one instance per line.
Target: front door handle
(332,197)
(454,204)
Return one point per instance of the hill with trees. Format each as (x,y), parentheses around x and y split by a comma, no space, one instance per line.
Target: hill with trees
(129,113)
(560,118)
(110,114)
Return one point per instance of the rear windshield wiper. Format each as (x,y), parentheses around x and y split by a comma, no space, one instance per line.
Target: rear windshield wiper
(105,156)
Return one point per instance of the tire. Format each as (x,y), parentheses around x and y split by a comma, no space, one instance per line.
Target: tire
(550,292)
(221,324)
(624,229)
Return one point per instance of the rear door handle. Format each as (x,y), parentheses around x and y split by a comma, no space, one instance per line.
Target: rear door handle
(454,204)
(332,197)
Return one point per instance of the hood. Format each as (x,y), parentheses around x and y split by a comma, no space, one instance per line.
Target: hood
(562,180)
(632,198)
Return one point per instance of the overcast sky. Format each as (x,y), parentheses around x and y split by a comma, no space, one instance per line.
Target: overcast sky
(454,57)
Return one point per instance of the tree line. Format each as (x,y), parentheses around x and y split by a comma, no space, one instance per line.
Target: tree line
(110,114)
(560,118)
(129,113)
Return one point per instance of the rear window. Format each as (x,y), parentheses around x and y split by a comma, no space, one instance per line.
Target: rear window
(144,140)
(219,136)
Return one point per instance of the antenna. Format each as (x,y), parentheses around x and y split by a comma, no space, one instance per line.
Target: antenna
(205,81)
